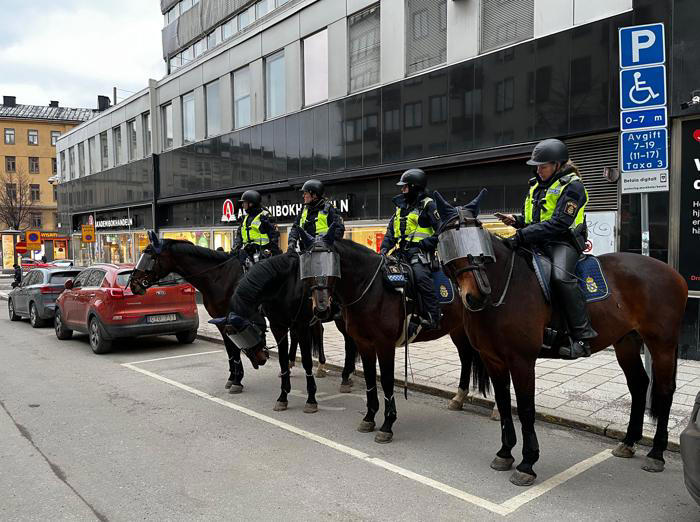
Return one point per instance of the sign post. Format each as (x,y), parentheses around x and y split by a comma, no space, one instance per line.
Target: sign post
(643,122)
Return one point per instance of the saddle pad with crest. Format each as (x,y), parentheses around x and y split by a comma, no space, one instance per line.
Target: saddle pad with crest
(591,278)
(398,277)
(443,287)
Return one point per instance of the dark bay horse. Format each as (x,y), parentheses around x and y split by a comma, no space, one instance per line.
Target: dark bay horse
(646,305)
(374,318)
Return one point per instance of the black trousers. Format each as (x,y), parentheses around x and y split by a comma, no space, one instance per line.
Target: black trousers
(567,291)
(424,285)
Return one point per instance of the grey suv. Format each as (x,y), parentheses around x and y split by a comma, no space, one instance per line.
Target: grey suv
(35,297)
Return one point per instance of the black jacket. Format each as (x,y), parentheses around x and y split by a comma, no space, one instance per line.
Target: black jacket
(557,227)
(267,226)
(310,226)
(428,217)
(18,274)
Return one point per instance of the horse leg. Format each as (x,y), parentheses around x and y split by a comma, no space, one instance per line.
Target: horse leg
(627,352)
(293,344)
(349,364)
(321,371)
(307,362)
(369,368)
(235,366)
(465,352)
(282,350)
(523,375)
(386,367)
(503,460)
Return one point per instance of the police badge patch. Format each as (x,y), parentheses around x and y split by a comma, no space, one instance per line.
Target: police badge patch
(570,208)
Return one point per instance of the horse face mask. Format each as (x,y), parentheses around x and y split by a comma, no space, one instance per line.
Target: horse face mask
(465,242)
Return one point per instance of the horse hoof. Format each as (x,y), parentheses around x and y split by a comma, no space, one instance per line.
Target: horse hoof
(321,372)
(346,387)
(653,465)
(280,406)
(366,427)
(495,415)
(236,388)
(522,479)
(454,405)
(383,437)
(310,408)
(624,451)
(501,464)
(228,384)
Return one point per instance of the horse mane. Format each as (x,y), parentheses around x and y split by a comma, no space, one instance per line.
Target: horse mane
(181,246)
(354,247)
(263,276)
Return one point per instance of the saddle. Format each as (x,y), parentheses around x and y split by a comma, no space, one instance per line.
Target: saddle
(590,274)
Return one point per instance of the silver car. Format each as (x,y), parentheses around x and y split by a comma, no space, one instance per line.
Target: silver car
(35,297)
(690,451)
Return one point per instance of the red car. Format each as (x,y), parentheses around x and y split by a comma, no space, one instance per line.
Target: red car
(28,264)
(100,303)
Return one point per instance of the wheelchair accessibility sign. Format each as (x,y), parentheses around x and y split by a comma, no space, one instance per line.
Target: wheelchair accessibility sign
(643,87)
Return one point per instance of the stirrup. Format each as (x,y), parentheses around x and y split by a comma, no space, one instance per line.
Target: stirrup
(575,349)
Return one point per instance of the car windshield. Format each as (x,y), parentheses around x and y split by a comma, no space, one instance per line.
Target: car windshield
(58,278)
(169,280)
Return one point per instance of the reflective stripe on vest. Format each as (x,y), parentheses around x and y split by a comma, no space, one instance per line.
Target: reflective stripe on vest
(413,233)
(321,220)
(551,199)
(251,232)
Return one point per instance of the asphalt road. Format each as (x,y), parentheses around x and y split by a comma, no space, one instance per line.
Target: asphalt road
(88,437)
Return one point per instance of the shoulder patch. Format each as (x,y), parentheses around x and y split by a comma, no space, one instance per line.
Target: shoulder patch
(570,208)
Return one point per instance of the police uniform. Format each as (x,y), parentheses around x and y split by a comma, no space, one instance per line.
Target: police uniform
(258,232)
(317,216)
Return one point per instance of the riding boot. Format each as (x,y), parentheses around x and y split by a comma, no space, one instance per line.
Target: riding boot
(430,319)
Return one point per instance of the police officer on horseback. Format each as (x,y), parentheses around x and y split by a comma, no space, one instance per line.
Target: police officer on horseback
(554,220)
(317,216)
(258,236)
(412,231)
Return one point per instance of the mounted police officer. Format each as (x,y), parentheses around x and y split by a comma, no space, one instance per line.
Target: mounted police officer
(257,234)
(412,231)
(317,216)
(554,219)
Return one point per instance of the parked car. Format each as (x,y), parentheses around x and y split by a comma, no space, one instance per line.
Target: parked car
(28,264)
(35,297)
(62,263)
(690,451)
(100,303)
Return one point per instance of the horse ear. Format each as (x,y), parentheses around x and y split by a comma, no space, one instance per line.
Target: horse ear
(155,241)
(447,212)
(473,205)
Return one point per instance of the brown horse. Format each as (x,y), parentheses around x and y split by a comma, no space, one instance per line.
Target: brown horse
(646,304)
(374,318)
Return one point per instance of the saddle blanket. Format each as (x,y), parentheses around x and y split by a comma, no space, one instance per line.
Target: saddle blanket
(590,276)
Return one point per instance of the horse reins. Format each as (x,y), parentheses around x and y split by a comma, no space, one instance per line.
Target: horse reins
(369,285)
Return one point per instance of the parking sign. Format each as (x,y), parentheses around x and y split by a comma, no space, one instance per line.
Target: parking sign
(643,87)
(642,45)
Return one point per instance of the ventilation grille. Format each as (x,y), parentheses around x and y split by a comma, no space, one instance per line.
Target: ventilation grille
(426,34)
(591,155)
(505,22)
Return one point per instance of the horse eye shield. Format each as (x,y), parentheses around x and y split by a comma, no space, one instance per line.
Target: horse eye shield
(465,242)
(319,264)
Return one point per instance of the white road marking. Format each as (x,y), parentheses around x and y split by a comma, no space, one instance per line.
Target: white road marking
(505,508)
(173,357)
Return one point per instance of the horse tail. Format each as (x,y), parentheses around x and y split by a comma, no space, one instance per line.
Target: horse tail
(316,339)
(480,377)
(659,400)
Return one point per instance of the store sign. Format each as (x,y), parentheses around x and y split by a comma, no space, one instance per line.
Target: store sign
(689,230)
(227,212)
(88,233)
(114,223)
(51,235)
(287,210)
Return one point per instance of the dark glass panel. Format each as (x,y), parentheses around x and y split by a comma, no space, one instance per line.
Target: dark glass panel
(336,139)
(293,163)
(630,224)
(391,123)
(226,155)
(268,150)
(256,162)
(279,169)
(246,175)
(353,132)
(306,143)
(425,115)
(235,158)
(552,85)
(371,128)
(165,166)
(461,108)
(321,162)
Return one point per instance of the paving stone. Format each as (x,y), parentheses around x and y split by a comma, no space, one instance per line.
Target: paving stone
(613,386)
(553,376)
(570,370)
(606,372)
(591,378)
(575,412)
(547,401)
(583,403)
(576,386)
(604,395)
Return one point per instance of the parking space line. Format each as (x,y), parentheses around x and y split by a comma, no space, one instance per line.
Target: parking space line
(172,357)
(505,508)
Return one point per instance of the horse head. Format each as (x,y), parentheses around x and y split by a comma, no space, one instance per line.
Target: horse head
(247,336)
(319,267)
(465,249)
(155,263)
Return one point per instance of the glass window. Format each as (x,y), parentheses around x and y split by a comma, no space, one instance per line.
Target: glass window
(167,115)
(275,98)
(92,152)
(185,5)
(9,136)
(33,137)
(36,220)
(230,28)
(104,151)
(117,138)
(34,192)
(55,193)
(174,13)
(146,122)
(316,68)
(131,139)
(281,2)
(199,47)
(54,137)
(241,97)
(426,35)
(263,7)
(33,165)
(10,164)
(187,56)
(188,117)
(54,170)
(505,23)
(81,159)
(246,18)
(63,165)
(214,38)
(174,63)
(363,48)
(11,190)
(95,279)
(71,162)
(213,104)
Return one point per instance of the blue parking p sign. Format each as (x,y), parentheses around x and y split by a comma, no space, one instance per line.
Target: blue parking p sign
(642,45)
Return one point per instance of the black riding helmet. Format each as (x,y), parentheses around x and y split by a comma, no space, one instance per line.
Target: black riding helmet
(549,151)
(252,196)
(313,186)
(414,178)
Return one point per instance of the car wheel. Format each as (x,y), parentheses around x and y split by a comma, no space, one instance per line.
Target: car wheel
(11,311)
(34,319)
(62,332)
(98,343)
(186,337)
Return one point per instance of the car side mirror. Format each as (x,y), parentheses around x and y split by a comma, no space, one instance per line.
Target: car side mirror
(68,285)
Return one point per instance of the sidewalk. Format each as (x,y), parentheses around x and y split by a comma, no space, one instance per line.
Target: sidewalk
(589,394)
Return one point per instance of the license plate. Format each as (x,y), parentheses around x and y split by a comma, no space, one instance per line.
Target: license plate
(165,318)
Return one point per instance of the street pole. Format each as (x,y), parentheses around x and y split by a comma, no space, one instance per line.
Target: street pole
(645,252)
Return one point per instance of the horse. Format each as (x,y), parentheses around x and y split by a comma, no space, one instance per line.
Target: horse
(505,316)
(374,317)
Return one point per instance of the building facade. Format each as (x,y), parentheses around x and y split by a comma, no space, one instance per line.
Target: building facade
(28,155)
(267,94)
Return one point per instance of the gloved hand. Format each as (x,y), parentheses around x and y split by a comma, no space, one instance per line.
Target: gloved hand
(514,241)
(291,248)
(426,245)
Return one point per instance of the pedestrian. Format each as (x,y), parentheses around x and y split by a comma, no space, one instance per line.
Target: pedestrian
(18,274)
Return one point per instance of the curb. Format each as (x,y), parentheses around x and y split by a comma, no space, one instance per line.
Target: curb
(608,430)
